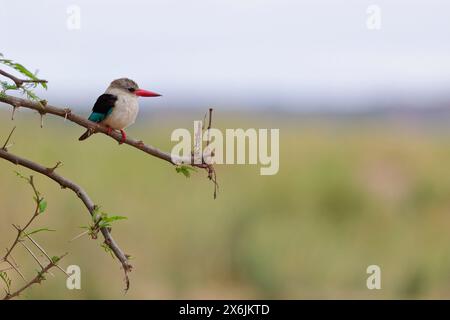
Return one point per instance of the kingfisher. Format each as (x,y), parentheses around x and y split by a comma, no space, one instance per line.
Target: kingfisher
(118,107)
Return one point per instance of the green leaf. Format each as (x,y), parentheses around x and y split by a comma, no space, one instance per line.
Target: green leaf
(102,220)
(185,170)
(55,259)
(36,231)
(30,75)
(107,249)
(21,176)
(41,275)
(19,67)
(7,86)
(30,94)
(42,205)
(114,218)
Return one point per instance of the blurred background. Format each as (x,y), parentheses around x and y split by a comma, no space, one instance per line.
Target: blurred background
(363,114)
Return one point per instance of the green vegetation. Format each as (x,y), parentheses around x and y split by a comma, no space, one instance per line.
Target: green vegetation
(25,88)
(348,194)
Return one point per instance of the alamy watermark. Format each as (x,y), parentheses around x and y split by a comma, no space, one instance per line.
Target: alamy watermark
(373,21)
(73,281)
(73,21)
(374,280)
(236,146)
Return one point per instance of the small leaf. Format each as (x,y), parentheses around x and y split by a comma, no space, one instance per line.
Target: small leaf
(41,276)
(36,231)
(96,215)
(19,67)
(21,176)
(107,249)
(185,170)
(114,218)
(42,205)
(55,259)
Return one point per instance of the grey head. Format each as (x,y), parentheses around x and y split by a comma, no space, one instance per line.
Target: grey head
(124,84)
(128,86)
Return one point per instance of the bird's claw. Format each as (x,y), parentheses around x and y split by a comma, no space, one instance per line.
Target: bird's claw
(124,136)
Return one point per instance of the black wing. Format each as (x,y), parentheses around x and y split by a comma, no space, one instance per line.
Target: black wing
(104,103)
(103,107)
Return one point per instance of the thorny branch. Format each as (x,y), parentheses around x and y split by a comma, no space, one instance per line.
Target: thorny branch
(89,204)
(38,279)
(211,171)
(21,234)
(43,108)
(20,82)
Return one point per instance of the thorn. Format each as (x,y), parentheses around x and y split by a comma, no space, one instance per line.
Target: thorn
(66,113)
(58,164)
(204,121)
(79,236)
(13,112)
(5,146)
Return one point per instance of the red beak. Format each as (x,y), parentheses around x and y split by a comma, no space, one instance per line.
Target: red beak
(145,93)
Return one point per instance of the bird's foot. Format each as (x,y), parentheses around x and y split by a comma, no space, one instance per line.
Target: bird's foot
(109,130)
(124,136)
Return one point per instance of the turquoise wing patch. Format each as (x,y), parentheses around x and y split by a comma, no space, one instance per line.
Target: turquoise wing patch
(97,117)
(103,107)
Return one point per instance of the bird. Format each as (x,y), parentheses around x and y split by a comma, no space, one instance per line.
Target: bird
(118,107)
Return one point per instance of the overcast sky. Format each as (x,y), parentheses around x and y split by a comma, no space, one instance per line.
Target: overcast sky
(247,53)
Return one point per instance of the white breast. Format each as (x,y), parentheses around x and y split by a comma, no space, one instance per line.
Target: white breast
(125,110)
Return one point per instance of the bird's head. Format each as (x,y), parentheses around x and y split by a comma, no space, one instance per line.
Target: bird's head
(128,86)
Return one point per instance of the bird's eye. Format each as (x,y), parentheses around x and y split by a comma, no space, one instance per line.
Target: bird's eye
(131,89)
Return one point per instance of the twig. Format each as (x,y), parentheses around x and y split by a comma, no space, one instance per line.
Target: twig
(67,114)
(97,127)
(19,82)
(89,204)
(37,245)
(16,268)
(5,146)
(8,257)
(32,254)
(209,126)
(20,230)
(211,170)
(38,279)
(21,233)
(6,269)
(56,166)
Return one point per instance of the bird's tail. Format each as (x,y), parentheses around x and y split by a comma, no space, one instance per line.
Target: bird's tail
(85,135)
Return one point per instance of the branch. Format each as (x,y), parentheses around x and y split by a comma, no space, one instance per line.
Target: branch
(97,127)
(38,279)
(65,183)
(21,230)
(21,233)
(210,169)
(5,145)
(19,82)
